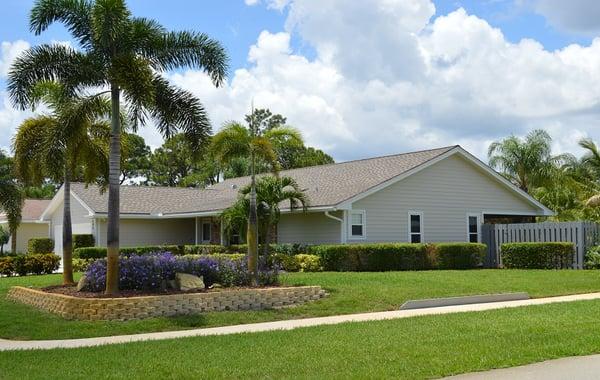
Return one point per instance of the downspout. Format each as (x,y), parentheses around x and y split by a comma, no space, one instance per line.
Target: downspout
(343,235)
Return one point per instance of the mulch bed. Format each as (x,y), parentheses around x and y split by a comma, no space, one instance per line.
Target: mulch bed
(71,290)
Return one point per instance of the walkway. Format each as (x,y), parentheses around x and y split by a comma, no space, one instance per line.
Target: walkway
(6,345)
(577,367)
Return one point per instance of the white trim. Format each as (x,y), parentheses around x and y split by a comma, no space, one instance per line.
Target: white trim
(508,213)
(59,197)
(196,230)
(363,215)
(478,216)
(421,226)
(456,150)
(204,240)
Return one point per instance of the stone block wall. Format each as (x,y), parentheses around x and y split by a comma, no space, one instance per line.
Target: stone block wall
(110,309)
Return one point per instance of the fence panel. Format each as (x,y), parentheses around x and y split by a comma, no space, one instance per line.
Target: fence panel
(582,234)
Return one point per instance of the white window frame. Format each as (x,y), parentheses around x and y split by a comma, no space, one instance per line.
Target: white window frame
(421,226)
(478,216)
(364,225)
(204,240)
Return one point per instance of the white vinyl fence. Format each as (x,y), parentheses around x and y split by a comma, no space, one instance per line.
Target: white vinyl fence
(582,234)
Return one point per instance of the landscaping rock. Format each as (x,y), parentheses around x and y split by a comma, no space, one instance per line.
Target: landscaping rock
(189,281)
(83,283)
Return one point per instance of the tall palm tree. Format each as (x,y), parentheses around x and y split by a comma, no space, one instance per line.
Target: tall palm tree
(527,163)
(71,138)
(11,198)
(234,141)
(271,192)
(124,56)
(589,170)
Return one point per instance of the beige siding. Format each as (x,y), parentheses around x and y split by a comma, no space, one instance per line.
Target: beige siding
(309,228)
(25,232)
(444,192)
(140,232)
(81,224)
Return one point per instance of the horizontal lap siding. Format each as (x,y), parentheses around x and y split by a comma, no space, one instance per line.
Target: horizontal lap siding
(445,192)
(139,232)
(309,228)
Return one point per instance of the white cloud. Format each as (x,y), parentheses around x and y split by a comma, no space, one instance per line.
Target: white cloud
(577,16)
(9,52)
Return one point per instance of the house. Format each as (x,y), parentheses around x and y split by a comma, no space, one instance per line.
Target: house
(434,195)
(32,226)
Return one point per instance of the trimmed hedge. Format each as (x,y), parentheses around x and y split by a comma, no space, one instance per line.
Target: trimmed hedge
(297,263)
(23,265)
(40,245)
(459,255)
(100,252)
(537,255)
(208,249)
(83,241)
(372,257)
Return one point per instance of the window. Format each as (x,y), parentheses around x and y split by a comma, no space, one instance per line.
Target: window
(473,226)
(206,232)
(415,227)
(357,224)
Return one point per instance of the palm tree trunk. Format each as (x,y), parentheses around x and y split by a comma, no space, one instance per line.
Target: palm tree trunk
(252,237)
(13,240)
(267,241)
(112,239)
(67,236)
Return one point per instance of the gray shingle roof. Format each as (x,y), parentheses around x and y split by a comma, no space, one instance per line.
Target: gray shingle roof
(326,185)
(32,209)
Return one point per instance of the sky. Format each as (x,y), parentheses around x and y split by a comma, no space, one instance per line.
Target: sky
(369,78)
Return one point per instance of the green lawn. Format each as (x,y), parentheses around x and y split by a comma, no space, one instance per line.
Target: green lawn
(349,293)
(421,347)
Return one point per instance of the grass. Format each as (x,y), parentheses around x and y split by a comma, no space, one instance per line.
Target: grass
(420,347)
(349,293)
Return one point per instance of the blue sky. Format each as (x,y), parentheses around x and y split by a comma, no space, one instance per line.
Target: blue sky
(304,65)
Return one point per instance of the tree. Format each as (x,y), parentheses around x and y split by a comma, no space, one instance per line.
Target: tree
(527,163)
(71,138)
(4,238)
(271,192)
(11,198)
(122,55)
(173,162)
(234,141)
(136,158)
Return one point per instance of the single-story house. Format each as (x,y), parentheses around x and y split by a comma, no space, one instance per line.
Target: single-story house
(32,225)
(434,195)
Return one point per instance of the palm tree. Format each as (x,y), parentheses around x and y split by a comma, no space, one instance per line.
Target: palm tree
(71,138)
(271,192)
(11,199)
(589,170)
(122,55)
(4,238)
(234,141)
(527,163)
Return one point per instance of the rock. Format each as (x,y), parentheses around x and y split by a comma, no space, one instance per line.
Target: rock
(188,281)
(83,283)
(215,286)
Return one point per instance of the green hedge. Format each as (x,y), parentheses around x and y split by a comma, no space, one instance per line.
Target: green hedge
(40,245)
(204,249)
(459,255)
(100,252)
(297,263)
(372,257)
(83,241)
(208,249)
(23,265)
(537,255)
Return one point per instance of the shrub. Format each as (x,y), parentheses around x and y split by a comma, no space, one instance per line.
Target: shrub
(372,257)
(40,245)
(308,263)
(100,252)
(81,265)
(592,258)
(42,263)
(204,249)
(83,241)
(150,272)
(537,255)
(459,255)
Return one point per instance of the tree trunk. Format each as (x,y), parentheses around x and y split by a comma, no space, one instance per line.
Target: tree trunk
(252,237)
(67,235)
(13,241)
(267,241)
(112,238)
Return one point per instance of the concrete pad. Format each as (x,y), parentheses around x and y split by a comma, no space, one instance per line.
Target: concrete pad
(467,300)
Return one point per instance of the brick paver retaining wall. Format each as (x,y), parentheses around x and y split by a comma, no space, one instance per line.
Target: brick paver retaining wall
(106,309)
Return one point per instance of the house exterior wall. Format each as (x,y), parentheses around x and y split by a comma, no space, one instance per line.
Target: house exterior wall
(215,231)
(140,232)
(81,224)
(25,232)
(444,193)
(309,228)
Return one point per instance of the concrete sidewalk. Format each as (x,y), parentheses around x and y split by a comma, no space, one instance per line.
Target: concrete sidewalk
(6,345)
(577,367)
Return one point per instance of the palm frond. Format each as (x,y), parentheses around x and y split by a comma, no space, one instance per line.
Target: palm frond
(75,15)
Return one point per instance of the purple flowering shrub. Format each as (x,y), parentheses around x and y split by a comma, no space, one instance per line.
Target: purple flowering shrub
(149,272)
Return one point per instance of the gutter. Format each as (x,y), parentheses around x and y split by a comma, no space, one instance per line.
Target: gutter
(343,235)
